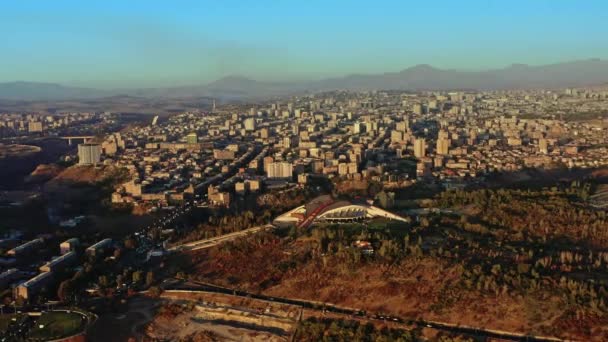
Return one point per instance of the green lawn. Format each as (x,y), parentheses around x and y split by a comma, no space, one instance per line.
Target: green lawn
(57,325)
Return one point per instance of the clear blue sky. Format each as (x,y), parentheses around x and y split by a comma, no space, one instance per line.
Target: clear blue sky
(126,43)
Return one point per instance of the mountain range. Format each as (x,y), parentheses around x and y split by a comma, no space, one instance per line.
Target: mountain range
(420,77)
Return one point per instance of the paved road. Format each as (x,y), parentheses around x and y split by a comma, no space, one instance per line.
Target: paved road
(207,243)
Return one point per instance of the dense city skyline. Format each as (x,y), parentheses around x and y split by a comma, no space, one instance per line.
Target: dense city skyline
(276,170)
(137,44)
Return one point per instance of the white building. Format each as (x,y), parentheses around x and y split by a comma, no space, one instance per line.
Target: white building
(280,170)
(89,154)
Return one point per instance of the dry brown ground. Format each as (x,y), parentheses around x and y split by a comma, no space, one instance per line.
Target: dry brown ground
(414,289)
(44,172)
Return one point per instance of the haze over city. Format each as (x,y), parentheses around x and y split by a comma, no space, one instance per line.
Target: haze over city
(307,171)
(117,44)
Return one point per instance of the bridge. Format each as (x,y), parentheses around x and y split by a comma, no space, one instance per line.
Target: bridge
(84,138)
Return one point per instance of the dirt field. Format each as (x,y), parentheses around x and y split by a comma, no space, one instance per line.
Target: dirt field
(221,317)
(419,289)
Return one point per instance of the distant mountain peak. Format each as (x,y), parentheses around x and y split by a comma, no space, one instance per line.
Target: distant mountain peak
(231,78)
(232,81)
(422,76)
(422,67)
(519,66)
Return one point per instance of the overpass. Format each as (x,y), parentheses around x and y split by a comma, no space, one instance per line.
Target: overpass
(84,138)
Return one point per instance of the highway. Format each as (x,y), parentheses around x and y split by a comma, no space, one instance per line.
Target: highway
(193,287)
(208,243)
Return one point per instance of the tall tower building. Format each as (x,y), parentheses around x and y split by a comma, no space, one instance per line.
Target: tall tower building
(443,146)
(543,146)
(403,126)
(264,133)
(250,124)
(419,148)
(280,170)
(443,142)
(34,126)
(357,127)
(89,154)
(192,138)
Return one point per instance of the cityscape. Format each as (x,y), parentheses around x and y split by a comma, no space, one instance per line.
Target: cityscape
(430,204)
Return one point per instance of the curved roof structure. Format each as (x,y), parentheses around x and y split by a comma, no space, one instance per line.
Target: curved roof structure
(340,211)
(350,211)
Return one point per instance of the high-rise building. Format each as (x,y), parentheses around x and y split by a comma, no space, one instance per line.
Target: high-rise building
(397,136)
(290,142)
(403,126)
(34,126)
(357,127)
(419,148)
(89,154)
(343,169)
(543,146)
(266,162)
(264,133)
(443,146)
(250,124)
(192,138)
(280,170)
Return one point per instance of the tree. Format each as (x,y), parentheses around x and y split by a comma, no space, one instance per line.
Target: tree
(137,276)
(155,291)
(149,278)
(130,243)
(373,188)
(103,281)
(293,232)
(65,291)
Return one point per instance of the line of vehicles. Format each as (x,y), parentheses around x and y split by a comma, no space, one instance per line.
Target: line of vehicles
(149,237)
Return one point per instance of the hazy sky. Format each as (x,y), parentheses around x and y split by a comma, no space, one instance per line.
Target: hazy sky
(126,43)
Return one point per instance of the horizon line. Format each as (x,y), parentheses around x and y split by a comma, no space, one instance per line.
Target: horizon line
(73,84)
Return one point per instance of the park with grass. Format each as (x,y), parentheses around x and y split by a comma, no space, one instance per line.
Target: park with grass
(58,324)
(52,325)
